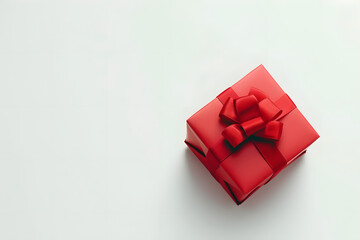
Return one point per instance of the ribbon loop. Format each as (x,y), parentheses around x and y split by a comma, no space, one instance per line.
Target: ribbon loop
(227,113)
(246,108)
(258,94)
(234,135)
(272,130)
(253,125)
(268,110)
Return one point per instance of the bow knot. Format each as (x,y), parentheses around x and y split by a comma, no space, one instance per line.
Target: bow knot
(251,115)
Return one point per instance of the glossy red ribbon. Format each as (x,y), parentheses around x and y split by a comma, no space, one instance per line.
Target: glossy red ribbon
(251,115)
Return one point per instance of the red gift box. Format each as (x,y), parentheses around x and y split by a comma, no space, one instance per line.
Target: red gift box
(248,134)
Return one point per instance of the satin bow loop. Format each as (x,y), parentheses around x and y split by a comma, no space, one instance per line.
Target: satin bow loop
(251,115)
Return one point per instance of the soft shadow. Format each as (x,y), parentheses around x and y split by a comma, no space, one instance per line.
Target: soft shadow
(211,193)
(207,188)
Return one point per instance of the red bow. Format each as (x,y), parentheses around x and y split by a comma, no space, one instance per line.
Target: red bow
(251,115)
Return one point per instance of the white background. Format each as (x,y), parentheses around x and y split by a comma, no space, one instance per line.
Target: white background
(94,96)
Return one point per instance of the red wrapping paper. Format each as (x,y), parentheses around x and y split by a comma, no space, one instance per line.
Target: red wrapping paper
(244,151)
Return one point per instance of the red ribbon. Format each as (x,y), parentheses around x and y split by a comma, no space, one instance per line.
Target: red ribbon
(251,115)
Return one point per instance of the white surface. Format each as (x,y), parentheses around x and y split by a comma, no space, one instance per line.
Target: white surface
(93,101)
